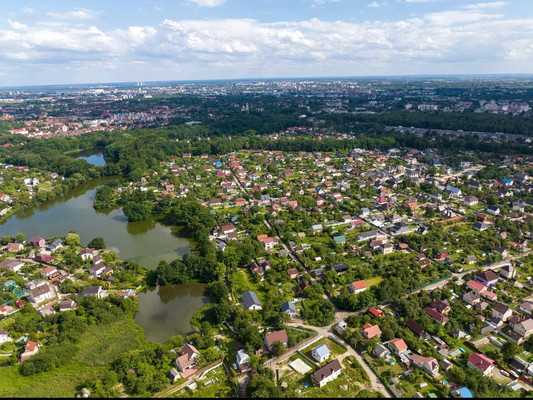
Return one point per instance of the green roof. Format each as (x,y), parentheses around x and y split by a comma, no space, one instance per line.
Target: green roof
(339,239)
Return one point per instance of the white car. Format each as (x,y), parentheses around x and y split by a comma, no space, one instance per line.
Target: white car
(234,366)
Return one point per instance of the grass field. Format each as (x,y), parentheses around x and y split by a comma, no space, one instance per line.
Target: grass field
(100,345)
(62,382)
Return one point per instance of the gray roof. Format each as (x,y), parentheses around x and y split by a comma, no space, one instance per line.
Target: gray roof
(250,299)
(288,306)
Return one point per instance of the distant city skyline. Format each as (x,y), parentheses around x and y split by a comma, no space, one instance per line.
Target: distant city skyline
(57,42)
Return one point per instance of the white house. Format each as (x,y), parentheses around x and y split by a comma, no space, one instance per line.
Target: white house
(327,373)
(320,353)
(4,337)
(41,292)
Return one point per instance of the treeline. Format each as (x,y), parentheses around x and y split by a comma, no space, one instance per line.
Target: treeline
(467,121)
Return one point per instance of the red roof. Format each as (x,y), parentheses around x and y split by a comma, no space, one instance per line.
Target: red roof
(30,346)
(433,313)
(375,312)
(371,330)
(399,344)
(278,336)
(476,285)
(359,285)
(480,361)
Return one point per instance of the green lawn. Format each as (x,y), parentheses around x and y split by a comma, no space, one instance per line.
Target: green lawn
(100,345)
(373,281)
(334,349)
(61,382)
(348,384)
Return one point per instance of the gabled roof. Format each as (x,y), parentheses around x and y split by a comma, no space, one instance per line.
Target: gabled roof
(277,336)
(399,344)
(321,351)
(327,370)
(416,328)
(480,361)
(250,299)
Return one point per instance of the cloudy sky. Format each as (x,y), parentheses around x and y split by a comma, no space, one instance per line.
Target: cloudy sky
(82,41)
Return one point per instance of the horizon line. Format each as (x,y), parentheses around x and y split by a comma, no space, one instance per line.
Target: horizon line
(350,77)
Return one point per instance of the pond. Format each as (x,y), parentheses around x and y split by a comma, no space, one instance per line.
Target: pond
(146,242)
(165,311)
(92,156)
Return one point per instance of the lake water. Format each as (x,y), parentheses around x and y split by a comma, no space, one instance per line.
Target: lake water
(92,156)
(146,242)
(165,311)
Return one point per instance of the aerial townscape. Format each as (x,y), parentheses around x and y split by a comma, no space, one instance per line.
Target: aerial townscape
(354,222)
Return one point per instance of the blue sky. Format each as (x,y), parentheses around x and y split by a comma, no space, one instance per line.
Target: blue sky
(78,41)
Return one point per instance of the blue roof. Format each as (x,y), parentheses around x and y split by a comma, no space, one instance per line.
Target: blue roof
(321,350)
(288,306)
(505,180)
(465,393)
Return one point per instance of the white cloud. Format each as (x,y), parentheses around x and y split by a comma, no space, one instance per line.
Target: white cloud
(17,25)
(76,14)
(420,1)
(374,4)
(207,3)
(447,41)
(486,6)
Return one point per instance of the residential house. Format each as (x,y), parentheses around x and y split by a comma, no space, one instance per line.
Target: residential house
(526,307)
(14,247)
(481,362)
(369,331)
(493,210)
(416,328)
(380,351)
(289,308)
(293,273)
(320,353)
(30,350)
(375,312)
(397,346)
(501,311)
(187,359)
(442,306)
(4,337)
(37,241)
(11,265)
(524,328)
(472,297)
(426,364)
(508,272)
(469,260)
(97,270)
(327,373)
(251,301)
(49,272)
(487,278)
(67,305)
(94,291)
(358,286)
(41,292)
(243,360)
(55,245)
(174,375)
(470,201)
(277,336)
(436,315)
